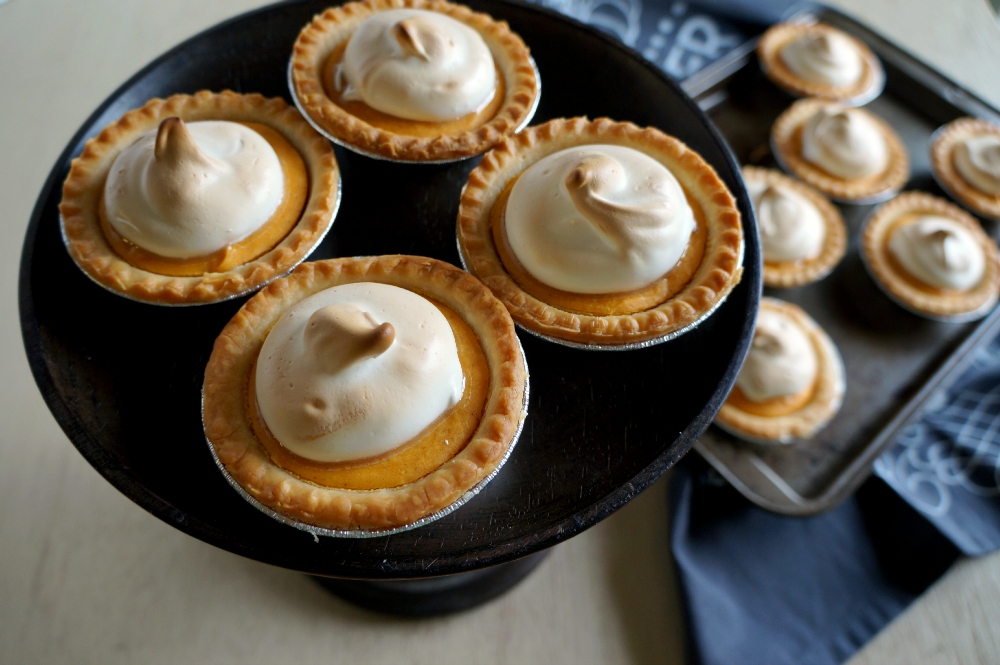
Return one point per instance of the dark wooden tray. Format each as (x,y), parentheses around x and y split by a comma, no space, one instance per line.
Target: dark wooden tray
(894,359)
(123,378)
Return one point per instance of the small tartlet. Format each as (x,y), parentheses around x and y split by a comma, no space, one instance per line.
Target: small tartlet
(229,429)
(942,161)
(786,143)
(798,273)
(317,41)
(718,273)
(930,303)
(868,86)
(824,403)
(82,192)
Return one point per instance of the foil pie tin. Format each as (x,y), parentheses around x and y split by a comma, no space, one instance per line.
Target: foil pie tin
(947,190)
(319,240)
(317,531)
(956,318)
(333,139)
(618,347)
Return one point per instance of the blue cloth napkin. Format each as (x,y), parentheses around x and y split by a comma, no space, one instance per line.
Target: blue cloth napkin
(771,590)
(947,465)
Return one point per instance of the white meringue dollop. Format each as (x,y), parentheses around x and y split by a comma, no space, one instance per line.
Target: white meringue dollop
(824,58)
(939,252)
(781,361)
(357,370)
(598,219)
(845,143)
(977,159)
(418,65)
(188,190)
(791,228)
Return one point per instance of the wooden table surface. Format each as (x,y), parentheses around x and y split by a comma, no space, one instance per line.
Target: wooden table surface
(88,577)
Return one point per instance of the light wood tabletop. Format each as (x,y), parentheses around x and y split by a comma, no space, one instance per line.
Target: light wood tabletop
(89,577)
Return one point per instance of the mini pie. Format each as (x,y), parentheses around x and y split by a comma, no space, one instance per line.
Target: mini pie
(932,257)
(802,234)
(155,208)
(413,80)
(616,235)
(817,60)
(849,154)
(365,393)
(792,381)
(965,155)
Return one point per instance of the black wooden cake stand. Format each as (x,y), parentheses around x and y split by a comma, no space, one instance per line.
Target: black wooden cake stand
(123,379)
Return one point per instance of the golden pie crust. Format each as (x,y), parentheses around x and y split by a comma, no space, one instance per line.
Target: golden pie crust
(328,30)
(230,431)
(906,290)
(943,162)
(719,271)
(787,274)
(777,37)
(816,412)
(786,142)
(83,189)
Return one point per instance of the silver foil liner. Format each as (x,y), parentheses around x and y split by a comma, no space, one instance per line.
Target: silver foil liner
(333,139)
(317,531)
(319,240)
(956,318)
(858,100)
(616,347)
(947,190)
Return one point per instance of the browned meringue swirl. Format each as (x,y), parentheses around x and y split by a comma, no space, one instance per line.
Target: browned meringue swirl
(593,176)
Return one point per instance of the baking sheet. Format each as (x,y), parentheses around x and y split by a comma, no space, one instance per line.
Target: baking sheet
(894,359)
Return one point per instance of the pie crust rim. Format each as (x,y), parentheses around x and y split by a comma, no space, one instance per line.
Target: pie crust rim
(948,306)
(777,37)
(326,31)
(81,228)
(720,269)
(868,190)
(230,433)
(942,145)
(791,274)
(827,397)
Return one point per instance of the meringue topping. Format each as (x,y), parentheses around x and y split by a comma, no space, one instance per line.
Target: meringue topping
(939,252)
(598,219)
(791,228)
(188,190)
(356,371)
(781,361)
(977,159)
(418,65)
(845,143)
(825,58)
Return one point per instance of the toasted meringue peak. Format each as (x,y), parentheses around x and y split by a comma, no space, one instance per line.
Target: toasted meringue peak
(341,334)
(781,361)
(598,219)
(355,371)
(621,223)
(188,190)
(845,143)
(939,252)
(418,65)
